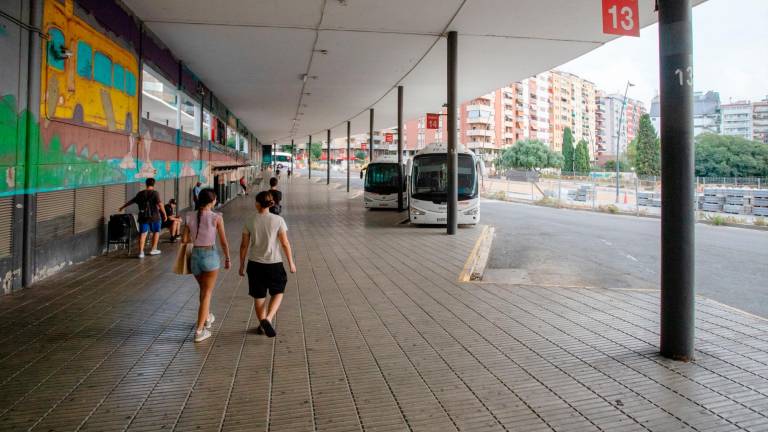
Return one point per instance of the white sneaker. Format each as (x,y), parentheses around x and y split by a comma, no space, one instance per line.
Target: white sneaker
(141,254)
(210,320)
(202,335)
(155,252)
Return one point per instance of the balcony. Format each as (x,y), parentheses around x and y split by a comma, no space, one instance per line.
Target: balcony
(476,107)
(509,135)
(481,132)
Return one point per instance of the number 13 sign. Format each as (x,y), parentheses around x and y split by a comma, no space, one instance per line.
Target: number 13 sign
(620,17)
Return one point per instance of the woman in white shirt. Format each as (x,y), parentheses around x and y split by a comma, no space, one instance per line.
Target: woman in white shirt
(264,234)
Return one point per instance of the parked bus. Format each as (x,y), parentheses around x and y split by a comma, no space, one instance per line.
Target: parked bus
(428,186)
(381,183)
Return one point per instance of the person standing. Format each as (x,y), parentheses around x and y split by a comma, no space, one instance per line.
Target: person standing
(151,215)
(196,192)
(201,229)
(264,234)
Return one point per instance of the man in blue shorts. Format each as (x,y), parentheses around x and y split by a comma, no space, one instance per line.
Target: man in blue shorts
(151,216)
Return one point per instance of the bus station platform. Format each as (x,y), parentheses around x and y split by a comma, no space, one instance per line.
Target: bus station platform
(375,334)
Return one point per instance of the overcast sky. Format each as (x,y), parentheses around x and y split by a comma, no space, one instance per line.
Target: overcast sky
(730,43)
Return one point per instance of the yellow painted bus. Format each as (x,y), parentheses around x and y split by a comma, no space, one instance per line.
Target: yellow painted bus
(86,77)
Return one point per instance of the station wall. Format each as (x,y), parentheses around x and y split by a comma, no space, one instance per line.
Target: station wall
(75,155)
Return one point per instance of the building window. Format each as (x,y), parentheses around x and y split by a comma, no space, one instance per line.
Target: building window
(118,77)
(84,59)
(159,99)
(130,83)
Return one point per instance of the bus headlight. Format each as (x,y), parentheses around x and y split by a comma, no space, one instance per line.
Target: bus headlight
(471,212)
(417,212)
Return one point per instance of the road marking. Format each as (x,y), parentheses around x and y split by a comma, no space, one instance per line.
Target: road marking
(632,258)
(474,256)
(606,242)
(356,194)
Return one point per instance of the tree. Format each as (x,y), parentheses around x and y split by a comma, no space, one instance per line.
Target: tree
(360,155)
(630,158)
(581,157)
(568,152)
(610,166)
(316,150)
(730,156)
(648,157)
(528,154)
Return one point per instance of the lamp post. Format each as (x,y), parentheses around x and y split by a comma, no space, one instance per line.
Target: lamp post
(618,136)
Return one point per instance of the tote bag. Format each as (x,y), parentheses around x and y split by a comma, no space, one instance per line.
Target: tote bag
(183,254)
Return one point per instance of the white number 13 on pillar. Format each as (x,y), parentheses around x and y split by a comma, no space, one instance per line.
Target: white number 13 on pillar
(620,17)
(685,77)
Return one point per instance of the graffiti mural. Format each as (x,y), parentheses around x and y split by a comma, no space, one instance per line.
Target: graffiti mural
(87,78)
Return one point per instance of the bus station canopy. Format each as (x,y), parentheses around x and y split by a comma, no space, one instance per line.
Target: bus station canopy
(292,68)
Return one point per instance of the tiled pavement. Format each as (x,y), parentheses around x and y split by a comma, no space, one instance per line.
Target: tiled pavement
(375,334)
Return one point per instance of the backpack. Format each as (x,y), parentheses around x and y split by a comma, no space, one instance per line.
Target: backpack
(148,211)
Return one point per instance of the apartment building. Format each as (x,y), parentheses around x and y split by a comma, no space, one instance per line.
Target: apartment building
(736,119)
(612,126)
(706,113)
(760,121)
(573,106)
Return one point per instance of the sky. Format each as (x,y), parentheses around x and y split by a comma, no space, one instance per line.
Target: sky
(730,46)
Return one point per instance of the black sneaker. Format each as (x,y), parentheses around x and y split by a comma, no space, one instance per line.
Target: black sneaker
(268,329)
(259,330)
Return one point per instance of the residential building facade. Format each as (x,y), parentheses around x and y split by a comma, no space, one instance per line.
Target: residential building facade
(618,121)
(706,113)
(736,119)
(760,121)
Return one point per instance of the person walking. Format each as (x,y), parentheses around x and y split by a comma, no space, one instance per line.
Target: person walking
(201,229)
(151,215)
(244,185)
(263,236)
(277,197)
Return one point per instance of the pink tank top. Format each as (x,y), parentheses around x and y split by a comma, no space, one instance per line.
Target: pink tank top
(206,235)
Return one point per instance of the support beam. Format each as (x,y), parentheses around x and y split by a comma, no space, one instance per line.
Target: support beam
(309,156)
(400,147)
(293,156)
(677,175)
(370,138)
(328,159)
(453,158)
(349,139)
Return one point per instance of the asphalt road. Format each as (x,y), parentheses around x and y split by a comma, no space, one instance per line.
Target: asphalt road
(548,246)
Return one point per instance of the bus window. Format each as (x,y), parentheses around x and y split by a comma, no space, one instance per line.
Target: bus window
(84,62)
(119,77)
(130,83)
(55,47)
(102,69)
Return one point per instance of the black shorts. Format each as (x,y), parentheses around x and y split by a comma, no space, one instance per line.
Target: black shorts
(266,277)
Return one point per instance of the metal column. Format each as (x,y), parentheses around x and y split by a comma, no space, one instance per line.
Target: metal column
(677,177)
(328,160)
(399,148)
(309,156)
(293,156)
(370,138)
(349,138)
(453,159)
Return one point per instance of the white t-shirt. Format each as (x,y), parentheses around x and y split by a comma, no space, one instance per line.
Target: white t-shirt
(263,229)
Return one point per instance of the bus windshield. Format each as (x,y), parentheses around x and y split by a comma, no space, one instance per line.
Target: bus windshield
(381,178)
(430,174)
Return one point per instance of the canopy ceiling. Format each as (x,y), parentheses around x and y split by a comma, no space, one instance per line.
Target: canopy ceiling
(253,54)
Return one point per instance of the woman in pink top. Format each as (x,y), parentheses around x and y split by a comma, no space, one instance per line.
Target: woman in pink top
(201,229)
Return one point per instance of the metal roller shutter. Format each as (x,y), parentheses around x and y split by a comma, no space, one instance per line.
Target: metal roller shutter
(114,197)
(55,215)
(89,208)
(6,226)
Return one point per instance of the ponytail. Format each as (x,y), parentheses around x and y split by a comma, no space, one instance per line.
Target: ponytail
(205,197)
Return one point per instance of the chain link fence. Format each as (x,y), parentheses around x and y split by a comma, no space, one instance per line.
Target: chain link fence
(721,200)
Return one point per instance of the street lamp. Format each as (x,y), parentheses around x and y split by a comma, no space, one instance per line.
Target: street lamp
(618,136)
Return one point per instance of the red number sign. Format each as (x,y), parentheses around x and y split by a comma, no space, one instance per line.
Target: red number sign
(388,138)
(433,121)
(620,17)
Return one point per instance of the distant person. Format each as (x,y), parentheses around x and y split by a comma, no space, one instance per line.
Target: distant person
(244,185)
(201,229)
(263,236)
(151,215)
(277,197)
(172,221)
(195,192)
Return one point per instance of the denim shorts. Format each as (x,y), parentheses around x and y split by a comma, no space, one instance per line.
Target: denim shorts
(150,226)
(204,260)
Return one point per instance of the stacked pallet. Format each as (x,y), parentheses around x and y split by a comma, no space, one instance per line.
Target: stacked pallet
(760,202)
(712,200)
(580,194)
(649,199)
